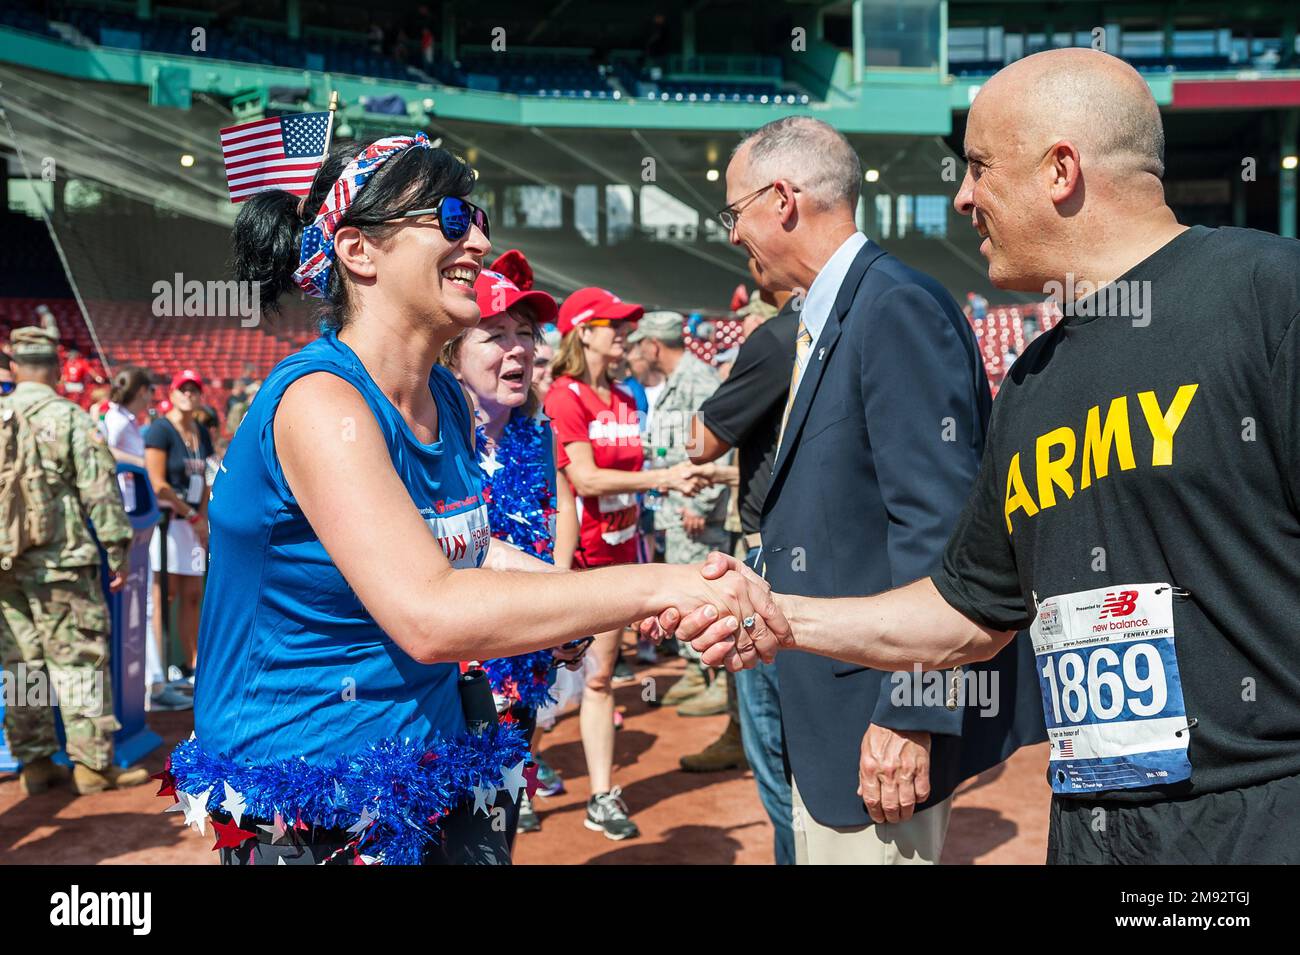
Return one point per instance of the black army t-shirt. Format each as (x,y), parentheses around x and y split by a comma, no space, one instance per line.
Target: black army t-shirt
(1162,445)
(746,409)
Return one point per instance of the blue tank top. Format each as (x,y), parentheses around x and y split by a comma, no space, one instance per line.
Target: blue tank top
(291,664)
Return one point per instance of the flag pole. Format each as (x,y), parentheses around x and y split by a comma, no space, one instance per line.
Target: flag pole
(329,127)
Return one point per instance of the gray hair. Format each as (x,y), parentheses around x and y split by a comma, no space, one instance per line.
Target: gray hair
(812,154)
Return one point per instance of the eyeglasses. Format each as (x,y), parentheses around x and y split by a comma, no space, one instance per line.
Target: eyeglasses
(728,215)
(455,216)
(6,387)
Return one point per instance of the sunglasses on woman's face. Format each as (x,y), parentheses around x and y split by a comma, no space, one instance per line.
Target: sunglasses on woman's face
(455,216)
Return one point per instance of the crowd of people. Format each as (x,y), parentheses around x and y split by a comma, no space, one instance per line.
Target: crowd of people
(436,522)
(175,438)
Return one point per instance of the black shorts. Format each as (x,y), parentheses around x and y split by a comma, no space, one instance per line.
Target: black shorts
(1251,826)
(463,839)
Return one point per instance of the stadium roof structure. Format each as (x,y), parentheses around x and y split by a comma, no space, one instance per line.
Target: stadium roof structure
(108,133)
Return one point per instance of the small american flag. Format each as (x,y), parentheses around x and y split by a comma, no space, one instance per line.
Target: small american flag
(279,153)
(1067,747)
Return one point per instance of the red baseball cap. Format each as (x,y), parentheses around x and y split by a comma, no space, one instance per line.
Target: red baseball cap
(496,294)
(186,376)
(588,303)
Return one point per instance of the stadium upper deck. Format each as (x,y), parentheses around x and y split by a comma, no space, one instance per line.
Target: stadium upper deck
(561,104)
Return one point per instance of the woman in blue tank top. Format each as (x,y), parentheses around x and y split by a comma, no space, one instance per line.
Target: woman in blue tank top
(352,563)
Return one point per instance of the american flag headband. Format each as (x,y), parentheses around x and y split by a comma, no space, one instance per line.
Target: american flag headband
(316,257)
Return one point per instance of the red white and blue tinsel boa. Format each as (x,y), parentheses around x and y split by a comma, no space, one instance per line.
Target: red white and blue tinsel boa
(392,795)
(517,482)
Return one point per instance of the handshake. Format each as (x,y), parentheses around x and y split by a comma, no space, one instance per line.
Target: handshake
(686,478)
(729,615)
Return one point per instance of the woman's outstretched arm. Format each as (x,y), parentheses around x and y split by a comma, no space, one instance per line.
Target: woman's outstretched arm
(343,480)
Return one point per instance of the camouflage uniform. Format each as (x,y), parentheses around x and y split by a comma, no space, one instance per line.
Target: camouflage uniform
(55,617)
(690,384)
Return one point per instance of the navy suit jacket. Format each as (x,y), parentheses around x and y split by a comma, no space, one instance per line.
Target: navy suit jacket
(879,455)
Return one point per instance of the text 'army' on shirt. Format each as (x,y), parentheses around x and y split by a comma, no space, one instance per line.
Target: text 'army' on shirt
(1059,453)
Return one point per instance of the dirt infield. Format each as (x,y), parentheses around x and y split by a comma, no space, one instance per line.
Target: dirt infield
(999,817)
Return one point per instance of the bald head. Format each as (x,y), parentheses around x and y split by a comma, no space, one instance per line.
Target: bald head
(1065,153)
(1095,100)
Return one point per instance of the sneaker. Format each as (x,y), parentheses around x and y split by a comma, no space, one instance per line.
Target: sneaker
(607,813)
(170,698)
(623,673)
(529,821)
(549,782)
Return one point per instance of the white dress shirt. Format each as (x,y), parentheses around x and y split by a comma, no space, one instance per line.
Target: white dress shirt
(820,300)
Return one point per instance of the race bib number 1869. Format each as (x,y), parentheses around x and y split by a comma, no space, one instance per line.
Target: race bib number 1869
(1112,695)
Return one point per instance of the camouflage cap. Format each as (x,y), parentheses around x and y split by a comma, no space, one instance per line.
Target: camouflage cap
(756,307)
(665,326)
(32,342)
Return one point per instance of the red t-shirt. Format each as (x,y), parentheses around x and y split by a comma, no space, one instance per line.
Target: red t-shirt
(609,522)
(75,370)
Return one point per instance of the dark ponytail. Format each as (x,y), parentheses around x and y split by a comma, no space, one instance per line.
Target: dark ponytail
(127,384)
(268,230)
(266,241)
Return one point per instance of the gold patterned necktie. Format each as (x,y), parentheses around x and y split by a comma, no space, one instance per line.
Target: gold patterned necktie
(802,345)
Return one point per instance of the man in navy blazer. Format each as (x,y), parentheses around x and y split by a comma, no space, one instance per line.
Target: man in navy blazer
(881,445)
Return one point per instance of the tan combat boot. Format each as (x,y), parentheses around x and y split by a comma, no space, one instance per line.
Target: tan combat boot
(725,752)
(692,683)
(712,701)
(87,781)
(40,774)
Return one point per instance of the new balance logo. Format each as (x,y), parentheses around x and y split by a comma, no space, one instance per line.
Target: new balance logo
(1119,604)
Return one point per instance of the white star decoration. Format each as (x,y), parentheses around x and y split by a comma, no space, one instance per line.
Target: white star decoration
(483,798)
(363,823)
(489,463)
(194,807)
(234,804)
(520,518)
(276,831)
(513,780)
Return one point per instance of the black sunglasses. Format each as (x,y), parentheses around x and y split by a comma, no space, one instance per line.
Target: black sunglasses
(584,642)
(455,216)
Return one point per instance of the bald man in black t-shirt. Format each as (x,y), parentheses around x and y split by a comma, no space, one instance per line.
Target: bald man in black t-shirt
(1138,503)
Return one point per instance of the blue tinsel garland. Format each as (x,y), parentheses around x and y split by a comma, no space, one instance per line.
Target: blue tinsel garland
(521,488)
(406,786)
